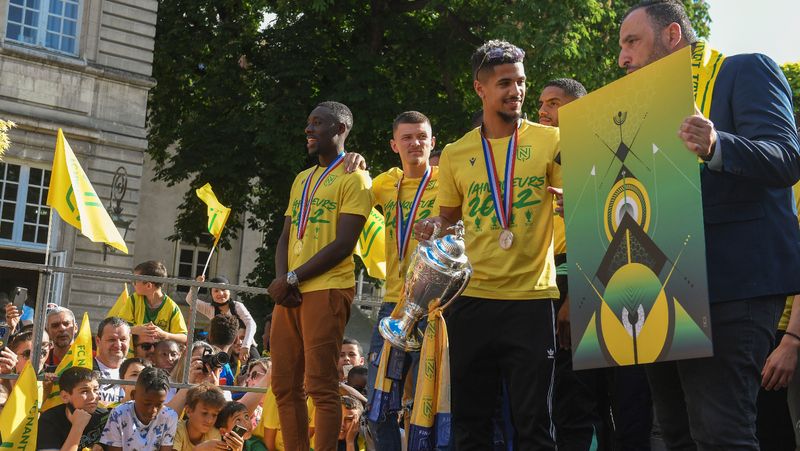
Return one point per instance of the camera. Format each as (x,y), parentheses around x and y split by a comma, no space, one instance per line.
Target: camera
(214,360)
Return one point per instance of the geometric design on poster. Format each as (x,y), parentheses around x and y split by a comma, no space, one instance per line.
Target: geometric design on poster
(589,349)
(692,336)
(627,196)
(630,244)
(645,206)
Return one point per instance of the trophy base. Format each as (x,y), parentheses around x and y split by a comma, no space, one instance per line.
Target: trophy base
(393,331)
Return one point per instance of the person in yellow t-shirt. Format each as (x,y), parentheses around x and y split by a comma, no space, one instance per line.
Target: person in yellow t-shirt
(150,312)
(315,281)
(415,185)
(497,179)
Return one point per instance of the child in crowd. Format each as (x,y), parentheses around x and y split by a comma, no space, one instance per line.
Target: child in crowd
(198,431)
(351,355)
(349,439)
(150,312)
(235,414)
(357,378)
(129,371)
(144,423)
(167,354)
(254,371)
(79,422)
(223,303)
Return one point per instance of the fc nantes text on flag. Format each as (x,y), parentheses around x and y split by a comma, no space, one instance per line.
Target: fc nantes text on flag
(19,421)
(79,354)
(217,213)
(371,246)
(73,197)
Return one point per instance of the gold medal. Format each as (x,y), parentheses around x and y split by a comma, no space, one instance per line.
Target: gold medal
(506,239)
(298,247)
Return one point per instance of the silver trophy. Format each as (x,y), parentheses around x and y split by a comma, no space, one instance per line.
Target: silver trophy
(437,274)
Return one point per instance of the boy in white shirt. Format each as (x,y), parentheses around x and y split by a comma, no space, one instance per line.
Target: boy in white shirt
(144,423)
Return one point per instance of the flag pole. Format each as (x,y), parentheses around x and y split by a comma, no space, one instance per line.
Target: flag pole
(208,260)
(39,316)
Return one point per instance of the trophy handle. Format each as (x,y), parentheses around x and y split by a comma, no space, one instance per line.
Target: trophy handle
(467,276)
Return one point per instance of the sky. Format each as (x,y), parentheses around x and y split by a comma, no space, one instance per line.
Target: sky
(771,27)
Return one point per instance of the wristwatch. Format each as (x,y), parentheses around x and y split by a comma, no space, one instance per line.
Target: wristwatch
(291,279)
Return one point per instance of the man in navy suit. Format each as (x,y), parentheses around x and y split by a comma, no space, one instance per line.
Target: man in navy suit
(752,158)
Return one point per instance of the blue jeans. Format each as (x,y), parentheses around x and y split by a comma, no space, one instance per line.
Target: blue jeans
(710,403)
(386,431)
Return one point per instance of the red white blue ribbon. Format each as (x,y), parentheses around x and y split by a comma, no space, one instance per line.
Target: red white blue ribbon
(502,207)
(405,224)
(307,198)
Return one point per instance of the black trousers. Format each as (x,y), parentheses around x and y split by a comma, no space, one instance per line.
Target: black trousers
(513,341)
(710,403)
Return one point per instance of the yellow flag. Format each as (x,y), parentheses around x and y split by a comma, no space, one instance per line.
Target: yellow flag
(19,420)
(121,302)
(79,354)
(73,197)
(371,246)
(217,213)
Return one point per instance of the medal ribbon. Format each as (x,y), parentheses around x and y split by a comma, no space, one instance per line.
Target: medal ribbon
(305,200)
(404,226)
(502,207)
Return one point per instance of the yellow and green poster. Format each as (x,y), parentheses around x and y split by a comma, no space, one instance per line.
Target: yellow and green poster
(634,221)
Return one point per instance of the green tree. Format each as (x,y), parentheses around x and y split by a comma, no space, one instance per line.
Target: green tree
(239,124)
(792,72)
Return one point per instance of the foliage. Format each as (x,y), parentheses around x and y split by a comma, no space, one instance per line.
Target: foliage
(792,72)
(239,124)
(4,141)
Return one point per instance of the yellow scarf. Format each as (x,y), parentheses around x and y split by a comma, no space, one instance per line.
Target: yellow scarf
(706,64)
(430,417)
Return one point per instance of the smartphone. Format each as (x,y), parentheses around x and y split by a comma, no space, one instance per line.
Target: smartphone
(239,430)
(20,296)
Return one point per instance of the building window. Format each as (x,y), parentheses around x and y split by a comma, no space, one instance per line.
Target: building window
(24,215)
(52,24)
(191,261)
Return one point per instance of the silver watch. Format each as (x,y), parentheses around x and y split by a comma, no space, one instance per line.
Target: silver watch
(291,279)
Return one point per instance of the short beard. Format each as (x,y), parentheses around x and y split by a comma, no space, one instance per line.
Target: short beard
(509,118)
(659,51)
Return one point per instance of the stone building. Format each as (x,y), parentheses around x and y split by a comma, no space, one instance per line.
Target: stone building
(85,66)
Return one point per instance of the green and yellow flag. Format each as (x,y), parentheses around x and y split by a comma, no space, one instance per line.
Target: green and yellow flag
(79,354)
(19,420)
(121,302)
(73,197)
(217,213)
(371,246)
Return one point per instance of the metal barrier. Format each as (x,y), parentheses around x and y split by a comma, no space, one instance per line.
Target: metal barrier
(40,317)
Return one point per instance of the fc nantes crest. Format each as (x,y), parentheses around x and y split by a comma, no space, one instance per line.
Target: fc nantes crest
(523,153)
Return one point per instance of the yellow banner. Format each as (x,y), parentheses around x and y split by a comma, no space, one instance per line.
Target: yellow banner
(79,354)
(71,194)
(19,420)
(217,213)
(371,246)
(121,302)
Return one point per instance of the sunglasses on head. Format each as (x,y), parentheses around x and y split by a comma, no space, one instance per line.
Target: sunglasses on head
(499,54)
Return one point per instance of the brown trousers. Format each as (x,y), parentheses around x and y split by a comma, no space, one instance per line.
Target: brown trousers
(305,345)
